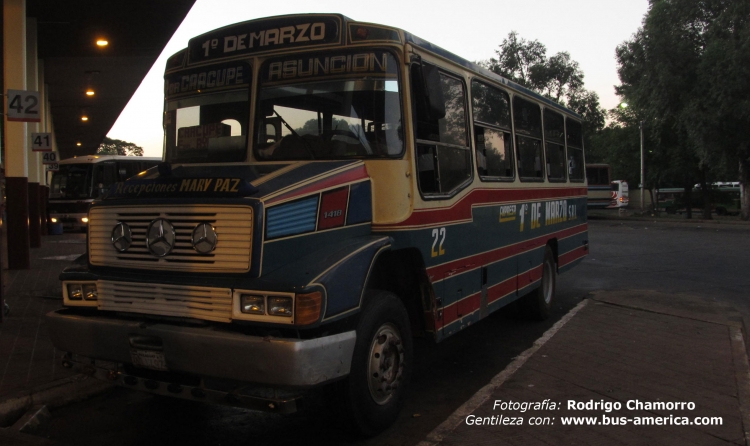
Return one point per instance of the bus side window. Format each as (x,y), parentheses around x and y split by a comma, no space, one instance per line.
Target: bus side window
(494,145)
(527,118)
(443,154)
(575,150)
(554,145)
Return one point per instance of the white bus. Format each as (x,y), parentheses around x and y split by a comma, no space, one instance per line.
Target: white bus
(83,179)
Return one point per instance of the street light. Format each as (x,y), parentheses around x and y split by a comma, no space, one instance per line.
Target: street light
(643,164)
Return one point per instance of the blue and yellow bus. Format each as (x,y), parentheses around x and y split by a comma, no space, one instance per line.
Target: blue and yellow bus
(330,189)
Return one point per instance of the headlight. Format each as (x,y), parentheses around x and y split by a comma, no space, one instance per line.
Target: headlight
(280,306)
(75,291)
(250,304)
(53,220)
(89,291)
(81,294)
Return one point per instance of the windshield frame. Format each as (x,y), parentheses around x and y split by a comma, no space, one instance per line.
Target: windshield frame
(311,144)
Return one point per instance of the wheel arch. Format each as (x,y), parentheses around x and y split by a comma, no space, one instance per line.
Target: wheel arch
(402,272)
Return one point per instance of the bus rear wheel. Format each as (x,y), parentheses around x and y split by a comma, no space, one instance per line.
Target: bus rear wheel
(537,305)
(373,394)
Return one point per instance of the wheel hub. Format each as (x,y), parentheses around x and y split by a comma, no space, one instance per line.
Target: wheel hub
(386,363)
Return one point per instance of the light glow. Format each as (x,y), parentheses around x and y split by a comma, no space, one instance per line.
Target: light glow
(90,92)
(102,43)
(84,118)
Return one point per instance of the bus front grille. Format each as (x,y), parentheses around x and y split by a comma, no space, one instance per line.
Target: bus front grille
(213,304)
(233,226)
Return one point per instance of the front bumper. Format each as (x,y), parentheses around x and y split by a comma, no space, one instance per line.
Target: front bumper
(207,351)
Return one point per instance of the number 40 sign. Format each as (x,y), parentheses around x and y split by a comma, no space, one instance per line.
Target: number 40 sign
(23,106)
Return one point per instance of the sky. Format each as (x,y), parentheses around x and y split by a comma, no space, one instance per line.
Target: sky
(589,30)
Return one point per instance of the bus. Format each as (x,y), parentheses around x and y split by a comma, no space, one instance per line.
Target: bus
(599,177)
(330,189)
(81,180)
(620,195)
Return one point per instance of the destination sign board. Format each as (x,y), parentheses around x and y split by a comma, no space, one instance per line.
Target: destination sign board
(207,78)
(265,35)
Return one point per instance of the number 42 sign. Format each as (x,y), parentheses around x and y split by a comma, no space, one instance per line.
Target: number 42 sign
(23,106)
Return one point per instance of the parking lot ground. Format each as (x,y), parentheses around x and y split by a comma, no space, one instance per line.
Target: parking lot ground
(626,347)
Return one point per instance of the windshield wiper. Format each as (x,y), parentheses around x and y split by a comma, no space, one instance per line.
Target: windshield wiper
(286,124)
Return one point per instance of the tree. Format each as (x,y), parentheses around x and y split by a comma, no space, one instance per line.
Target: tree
(685,72)
(119,147)
(558,78)
(517,58)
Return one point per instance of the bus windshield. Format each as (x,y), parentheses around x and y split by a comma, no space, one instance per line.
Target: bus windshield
(349,114)
(72,181)
(207,128)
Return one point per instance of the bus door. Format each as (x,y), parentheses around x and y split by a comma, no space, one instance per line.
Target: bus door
(444,167)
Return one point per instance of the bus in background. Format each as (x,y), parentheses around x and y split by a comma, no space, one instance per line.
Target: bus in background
(330,188)
(83,179)
(599,178)
(620,194)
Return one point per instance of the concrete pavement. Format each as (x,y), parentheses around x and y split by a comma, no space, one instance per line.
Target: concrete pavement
(618,346)
(614,367)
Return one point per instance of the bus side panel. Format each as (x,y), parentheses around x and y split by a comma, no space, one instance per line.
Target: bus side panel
(479,266)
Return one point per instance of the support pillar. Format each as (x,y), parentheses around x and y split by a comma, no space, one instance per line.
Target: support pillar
(35,218)
(15,150)
(17,210)
(43,196)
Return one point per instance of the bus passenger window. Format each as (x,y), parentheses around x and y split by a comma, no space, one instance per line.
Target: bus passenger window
(494,147)
(554,145)
(527,118)
(575,150)
(447,139)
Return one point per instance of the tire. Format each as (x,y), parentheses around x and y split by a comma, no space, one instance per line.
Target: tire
(370,399)
(537,305)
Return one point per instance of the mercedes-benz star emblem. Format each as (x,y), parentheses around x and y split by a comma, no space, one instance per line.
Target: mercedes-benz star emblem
(121,237)
(160,237)
(204,238)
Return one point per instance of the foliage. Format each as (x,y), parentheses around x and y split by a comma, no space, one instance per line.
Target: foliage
(119,147)
(558,78)
(684,73)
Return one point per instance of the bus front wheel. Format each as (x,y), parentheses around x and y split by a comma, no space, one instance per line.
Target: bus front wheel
(538,304)
(373,393)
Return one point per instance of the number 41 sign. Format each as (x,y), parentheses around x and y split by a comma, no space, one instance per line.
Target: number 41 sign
(41,142)
(23,106)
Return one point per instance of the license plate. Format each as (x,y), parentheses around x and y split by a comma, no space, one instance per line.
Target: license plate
(148,359)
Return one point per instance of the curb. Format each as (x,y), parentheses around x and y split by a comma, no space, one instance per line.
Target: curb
(55,394)
(738,223)
(437,435)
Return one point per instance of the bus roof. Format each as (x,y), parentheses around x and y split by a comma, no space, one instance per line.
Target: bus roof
(239,39)
(93,159)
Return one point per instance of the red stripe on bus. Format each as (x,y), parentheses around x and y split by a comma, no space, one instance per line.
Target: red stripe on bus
(502,289)
(462,209)
(572,256)
(358,173)
(459,309)
(526,278)
(439,272)
(470,304)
